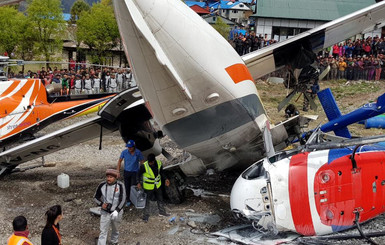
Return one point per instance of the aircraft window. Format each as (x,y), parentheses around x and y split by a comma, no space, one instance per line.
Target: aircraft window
(255,171)
(277,157)
(281,155)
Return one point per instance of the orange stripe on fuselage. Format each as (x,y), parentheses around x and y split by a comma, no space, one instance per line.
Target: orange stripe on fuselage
(10,89)
(239,73)
(9,104)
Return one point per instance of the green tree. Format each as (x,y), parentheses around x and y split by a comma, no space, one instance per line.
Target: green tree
(77,9)
(106,2)
(27,36)
(222,27)
(99,30)
(10,28)
(46,16)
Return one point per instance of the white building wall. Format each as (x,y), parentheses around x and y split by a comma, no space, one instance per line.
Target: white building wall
(238,16)
(265,25)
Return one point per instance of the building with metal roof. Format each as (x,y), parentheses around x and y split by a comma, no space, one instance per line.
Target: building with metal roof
(281,19)
(192,3)
(318,10)
(235,11)
(199,10)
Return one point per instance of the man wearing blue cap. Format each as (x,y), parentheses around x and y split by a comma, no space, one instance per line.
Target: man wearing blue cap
(132,160)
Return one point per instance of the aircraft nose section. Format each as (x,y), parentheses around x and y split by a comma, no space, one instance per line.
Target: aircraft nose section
(246,200)
(238,195)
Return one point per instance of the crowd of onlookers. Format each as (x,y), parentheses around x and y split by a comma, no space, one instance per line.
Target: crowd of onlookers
(245,43)
(82,80)
(354,68)
(352,60)
(363,59)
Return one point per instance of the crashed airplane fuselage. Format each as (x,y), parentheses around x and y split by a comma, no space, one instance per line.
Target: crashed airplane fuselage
(197,87)
(200,91)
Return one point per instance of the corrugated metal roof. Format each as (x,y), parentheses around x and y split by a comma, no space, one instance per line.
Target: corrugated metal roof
(213,20)
(199,10)
(246,1)
(228,4)
(325,10)
(192,3)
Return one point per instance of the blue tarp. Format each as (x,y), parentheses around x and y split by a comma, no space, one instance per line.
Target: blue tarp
(192,3)
(235,31)
(66,17)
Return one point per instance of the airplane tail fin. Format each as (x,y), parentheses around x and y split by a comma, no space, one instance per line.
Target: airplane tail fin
(148,36)
(332,111)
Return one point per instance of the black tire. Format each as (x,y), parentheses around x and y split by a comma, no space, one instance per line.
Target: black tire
(172,192)
(8,170)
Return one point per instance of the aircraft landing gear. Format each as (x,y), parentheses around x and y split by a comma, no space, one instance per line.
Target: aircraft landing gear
(5,170)
(174,192)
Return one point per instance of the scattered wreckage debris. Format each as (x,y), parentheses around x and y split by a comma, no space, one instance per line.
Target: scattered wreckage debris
(247,234)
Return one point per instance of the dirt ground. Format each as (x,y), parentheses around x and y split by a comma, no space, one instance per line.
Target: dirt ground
(32,192)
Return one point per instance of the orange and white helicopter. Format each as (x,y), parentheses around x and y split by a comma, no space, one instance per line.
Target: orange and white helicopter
(27,106)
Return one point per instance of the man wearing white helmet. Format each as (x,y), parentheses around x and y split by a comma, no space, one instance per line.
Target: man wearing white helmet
(132,160)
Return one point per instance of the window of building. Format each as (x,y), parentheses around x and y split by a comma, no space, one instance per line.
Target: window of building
(235,11)
(280,33)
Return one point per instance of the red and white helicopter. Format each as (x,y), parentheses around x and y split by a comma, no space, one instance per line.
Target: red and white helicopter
(317,189)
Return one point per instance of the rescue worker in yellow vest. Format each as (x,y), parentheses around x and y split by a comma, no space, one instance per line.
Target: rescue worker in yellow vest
(150,174)
(20,232)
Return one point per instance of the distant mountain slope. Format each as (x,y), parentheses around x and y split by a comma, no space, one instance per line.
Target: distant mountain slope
(67,4)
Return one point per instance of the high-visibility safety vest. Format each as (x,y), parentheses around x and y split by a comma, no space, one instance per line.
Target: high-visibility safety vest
(18,240)
(149,179)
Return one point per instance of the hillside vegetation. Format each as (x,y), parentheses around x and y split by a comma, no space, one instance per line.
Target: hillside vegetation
(67,4)
(349,96)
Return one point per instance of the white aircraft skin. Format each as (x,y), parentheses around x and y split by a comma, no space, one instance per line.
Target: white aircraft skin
(196,86)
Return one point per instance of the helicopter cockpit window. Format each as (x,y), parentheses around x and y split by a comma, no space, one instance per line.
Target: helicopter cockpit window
(3,76)
(255,171)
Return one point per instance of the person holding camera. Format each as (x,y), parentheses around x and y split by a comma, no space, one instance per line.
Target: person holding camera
(111,196)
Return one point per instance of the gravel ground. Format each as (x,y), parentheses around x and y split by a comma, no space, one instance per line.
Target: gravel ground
(32,192)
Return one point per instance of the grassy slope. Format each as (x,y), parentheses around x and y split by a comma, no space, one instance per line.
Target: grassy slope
(349,96)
